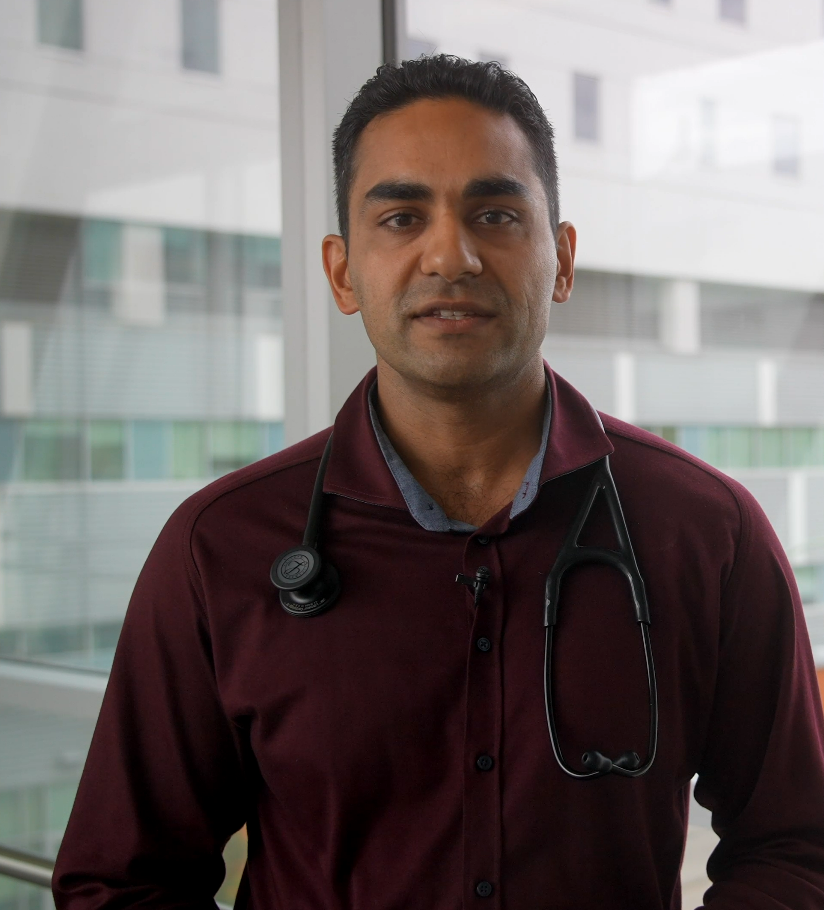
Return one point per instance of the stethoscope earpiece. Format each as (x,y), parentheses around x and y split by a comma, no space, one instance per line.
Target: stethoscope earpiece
(308,585)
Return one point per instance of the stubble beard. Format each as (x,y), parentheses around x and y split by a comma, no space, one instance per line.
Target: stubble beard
(453,364)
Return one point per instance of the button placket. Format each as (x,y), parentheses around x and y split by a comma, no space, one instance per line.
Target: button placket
(484,711)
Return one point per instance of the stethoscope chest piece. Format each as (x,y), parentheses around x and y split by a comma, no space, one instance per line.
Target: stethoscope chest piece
(307,584)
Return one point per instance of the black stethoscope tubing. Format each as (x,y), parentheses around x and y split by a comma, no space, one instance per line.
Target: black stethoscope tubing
(309,586)
(628,764)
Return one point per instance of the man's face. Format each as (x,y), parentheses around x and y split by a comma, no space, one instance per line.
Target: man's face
(451,260)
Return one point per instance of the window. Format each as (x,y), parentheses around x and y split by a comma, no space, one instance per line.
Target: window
(733,10)
(188,450)
(107,453)
(200,35)
(707,132)
(139,268)
(786,146)
(101,252)
(151,449)
(697,156)
(60,23)
(586,90)
(36,256)
(233,445)
(53,450)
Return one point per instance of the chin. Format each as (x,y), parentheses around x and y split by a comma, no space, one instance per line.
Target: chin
(454,376)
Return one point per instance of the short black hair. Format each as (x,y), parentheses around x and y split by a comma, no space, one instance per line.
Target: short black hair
(443,76)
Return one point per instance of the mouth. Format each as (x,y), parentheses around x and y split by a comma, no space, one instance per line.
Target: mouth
(452,314)
(466,310)
(453,317)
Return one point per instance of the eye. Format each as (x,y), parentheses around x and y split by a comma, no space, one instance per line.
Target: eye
(495,217)
(399,220)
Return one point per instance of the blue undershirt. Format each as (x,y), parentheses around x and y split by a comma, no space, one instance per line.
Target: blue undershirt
(423,507)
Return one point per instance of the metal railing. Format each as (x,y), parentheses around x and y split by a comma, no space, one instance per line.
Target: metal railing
(26,867)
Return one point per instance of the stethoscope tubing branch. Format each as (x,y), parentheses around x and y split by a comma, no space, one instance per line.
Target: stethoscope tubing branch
(623,560)
(312,531)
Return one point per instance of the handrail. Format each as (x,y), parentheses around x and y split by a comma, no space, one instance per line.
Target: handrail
(26,866)
(36,870)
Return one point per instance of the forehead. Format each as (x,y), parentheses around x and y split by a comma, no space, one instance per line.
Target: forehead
(442,142)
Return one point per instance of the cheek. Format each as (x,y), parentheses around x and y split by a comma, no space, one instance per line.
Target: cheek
(537,281)
(372,280)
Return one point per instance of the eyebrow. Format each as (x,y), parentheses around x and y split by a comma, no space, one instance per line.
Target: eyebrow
(495,186)
(404,191)
(399,190)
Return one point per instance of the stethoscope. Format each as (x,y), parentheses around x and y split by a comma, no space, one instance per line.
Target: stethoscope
(309,586)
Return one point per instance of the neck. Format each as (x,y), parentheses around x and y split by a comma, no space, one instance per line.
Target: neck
(468,449)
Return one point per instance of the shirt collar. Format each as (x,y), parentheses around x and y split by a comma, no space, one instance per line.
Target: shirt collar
(359,470)
(423,508)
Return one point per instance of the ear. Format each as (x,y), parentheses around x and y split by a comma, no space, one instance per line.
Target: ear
(565,241)
(336,266)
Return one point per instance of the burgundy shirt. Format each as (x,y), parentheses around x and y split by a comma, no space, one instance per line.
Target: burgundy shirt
(349,742)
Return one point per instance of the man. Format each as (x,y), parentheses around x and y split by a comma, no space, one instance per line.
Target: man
(393,751)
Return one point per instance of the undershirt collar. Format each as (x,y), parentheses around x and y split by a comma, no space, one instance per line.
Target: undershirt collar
(423,507)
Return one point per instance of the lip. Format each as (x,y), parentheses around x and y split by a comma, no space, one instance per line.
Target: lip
(453,325)
(469,307)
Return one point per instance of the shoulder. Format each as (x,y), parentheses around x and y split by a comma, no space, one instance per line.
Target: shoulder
(665,478)
(662,462)
(275,478)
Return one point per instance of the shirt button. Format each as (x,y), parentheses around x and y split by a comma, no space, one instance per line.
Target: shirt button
(483,644)
(483,541)
(483,889)
(485,762)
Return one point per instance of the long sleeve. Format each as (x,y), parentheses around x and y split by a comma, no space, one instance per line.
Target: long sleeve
(162,789)
(762,773)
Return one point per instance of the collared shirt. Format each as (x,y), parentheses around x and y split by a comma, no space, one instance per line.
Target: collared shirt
(422,507)
(392,753)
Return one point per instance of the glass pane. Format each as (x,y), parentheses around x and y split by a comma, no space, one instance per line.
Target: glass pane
(60,22)
(151,449)
(733,10)
(52,450)
(687,315)
(234,445)
(188,450)
(586,103)
(139,320)
(102,242)
(200,49)
(107,450)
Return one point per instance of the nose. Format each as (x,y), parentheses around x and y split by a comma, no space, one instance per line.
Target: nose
(449,249)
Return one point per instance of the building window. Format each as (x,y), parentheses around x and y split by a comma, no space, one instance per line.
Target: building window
(733,10)
(786,146)
(200,35)
(53,450)
(708,132)
(107,450)
(60,23)
(586,104)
